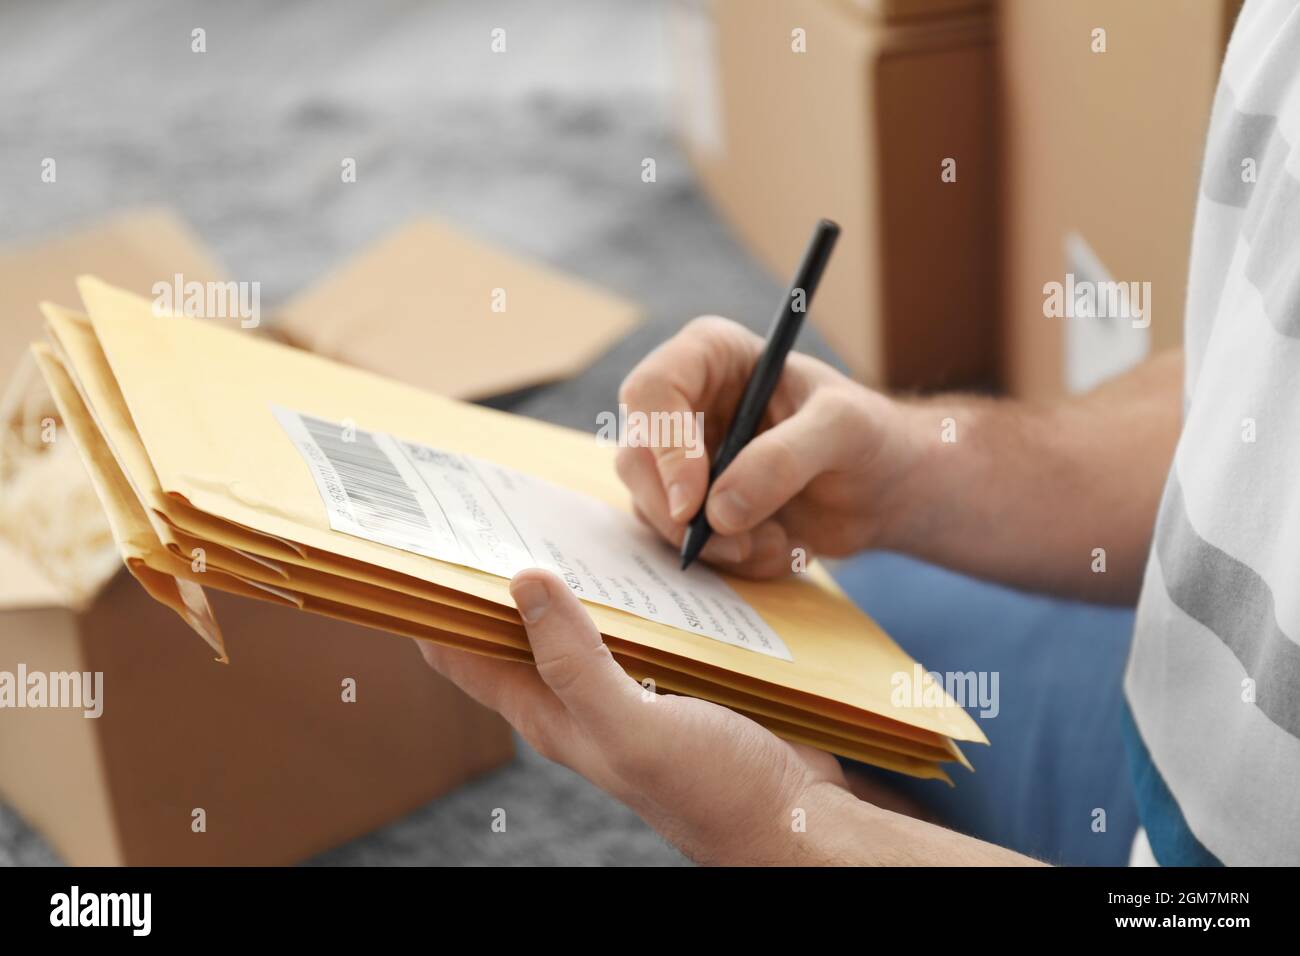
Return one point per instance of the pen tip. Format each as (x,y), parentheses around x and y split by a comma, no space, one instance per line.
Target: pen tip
(693,543)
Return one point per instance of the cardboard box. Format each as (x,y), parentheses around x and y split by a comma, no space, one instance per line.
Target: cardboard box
(266,746)
(142,246)
(857,128)
(1102,162)
(431,307)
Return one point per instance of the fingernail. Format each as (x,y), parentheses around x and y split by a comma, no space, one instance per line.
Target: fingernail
(723,549)
(730,508)
(531,599)
(678,500)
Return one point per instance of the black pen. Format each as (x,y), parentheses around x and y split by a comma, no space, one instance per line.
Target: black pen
(766,373)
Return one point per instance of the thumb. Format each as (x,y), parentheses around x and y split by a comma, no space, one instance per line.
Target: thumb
(571,656)
(771,470)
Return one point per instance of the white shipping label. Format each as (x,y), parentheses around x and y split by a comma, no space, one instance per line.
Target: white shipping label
(476,513)
(1100,346)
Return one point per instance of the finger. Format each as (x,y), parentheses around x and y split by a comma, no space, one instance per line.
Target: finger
(651,507)
(667,417)
(772,469)
(721,550)
(636,467)
(809,526)
(767,557)
(822,764)
(572,658)
(512,689)
(494,683)
(675,379)
(727,549)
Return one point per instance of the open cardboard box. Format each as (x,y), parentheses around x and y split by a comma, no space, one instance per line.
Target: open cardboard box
(281,765)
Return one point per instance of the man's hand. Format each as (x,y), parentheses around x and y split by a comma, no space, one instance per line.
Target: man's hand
(819,475)
(716,785)
(1038,497)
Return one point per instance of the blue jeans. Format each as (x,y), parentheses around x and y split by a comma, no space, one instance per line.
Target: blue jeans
(1056,751)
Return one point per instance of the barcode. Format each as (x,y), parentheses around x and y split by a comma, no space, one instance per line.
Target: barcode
(382,502)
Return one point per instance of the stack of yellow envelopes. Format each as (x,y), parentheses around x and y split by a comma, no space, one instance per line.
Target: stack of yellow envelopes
(227,461)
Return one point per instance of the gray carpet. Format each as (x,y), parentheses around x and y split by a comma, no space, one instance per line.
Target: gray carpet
(538,149)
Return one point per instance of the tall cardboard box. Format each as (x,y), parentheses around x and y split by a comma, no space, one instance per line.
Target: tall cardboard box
(1103,140)
(790,110)
(281,765)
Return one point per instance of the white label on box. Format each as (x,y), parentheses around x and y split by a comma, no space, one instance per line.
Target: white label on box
(1099,346)
(473,512)
(694,40)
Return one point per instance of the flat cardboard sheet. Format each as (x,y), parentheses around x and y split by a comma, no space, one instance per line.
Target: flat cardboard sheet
(431,307)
